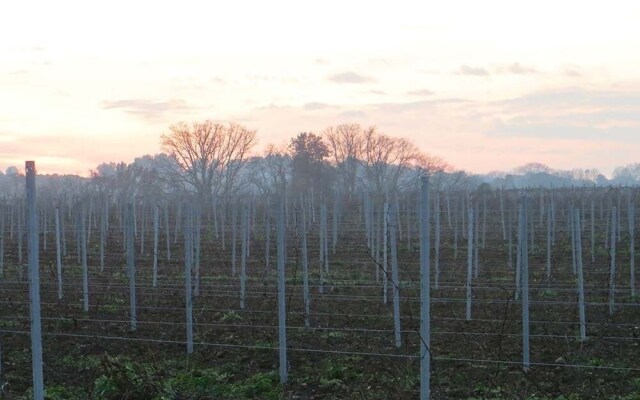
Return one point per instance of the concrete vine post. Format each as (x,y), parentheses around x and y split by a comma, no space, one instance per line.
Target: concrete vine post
(377,238)
(135,215)
(324,264)
(510,240)
(464,207)
(469,263)
(45,233)
(592,219)
(58,254)
(552,210)
(131,267)
(548,247)
(2,223)
(34,282)
(197,235)
(580,278)
(619,218)
(425,292)
(484,219)
(397,217)
(335,220)
(250,209)
(573,238)
(80,233)
(632,251)
(188,284)
(531,233)
(612,270)
(166,230)
(456,227)
(214,215)
(519,261)
(282,316)
(448,202)
(436,258)
(523,243)
(409,218)
(267,234)
(103,233)
(607,229)
(234,234)
(85,267)
(156,228)
(143,227)
(395,282)
(243,257)
(504,230)
(19,229)
(305,265)
(63,237)
(476,241)
(385,254)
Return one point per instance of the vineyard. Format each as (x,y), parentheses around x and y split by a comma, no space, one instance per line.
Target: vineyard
(532,295)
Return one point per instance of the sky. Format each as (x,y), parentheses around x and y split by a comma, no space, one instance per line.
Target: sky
(485,85)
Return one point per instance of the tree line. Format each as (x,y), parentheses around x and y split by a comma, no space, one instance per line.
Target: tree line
(214,160)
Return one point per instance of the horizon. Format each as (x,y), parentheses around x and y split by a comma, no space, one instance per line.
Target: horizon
(484,90)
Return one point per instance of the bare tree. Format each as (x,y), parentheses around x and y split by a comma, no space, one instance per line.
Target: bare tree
(346,145)
(209,155)
(271,173)
(278,167)
(426,164)
(385,159)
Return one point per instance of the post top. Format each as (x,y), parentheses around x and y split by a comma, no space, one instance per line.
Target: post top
(30,167)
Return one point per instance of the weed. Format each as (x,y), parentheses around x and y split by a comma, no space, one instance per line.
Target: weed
(230,316)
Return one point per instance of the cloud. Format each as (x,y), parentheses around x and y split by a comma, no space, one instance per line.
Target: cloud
(349,77)
(379,61)
(564,127)
(421,92)
(6,137)
(473,71)
(273,107)
(217,79)
(570,113)
(61,93)
(516,69)
(417,106)
(19,72)
(147,109)
(501,69)
(576,96)
(564,131)
(572,71)
(378,92)
(352,114)
(314,105)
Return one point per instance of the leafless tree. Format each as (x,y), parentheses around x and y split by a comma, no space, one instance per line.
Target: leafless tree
(425,164)
(385,159)
(209,155)
(278,166)
(346,144)
(271,173)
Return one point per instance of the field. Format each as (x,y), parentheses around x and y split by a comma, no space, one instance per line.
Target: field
(348,349)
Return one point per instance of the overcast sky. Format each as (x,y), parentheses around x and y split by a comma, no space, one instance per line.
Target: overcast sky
(486,85)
